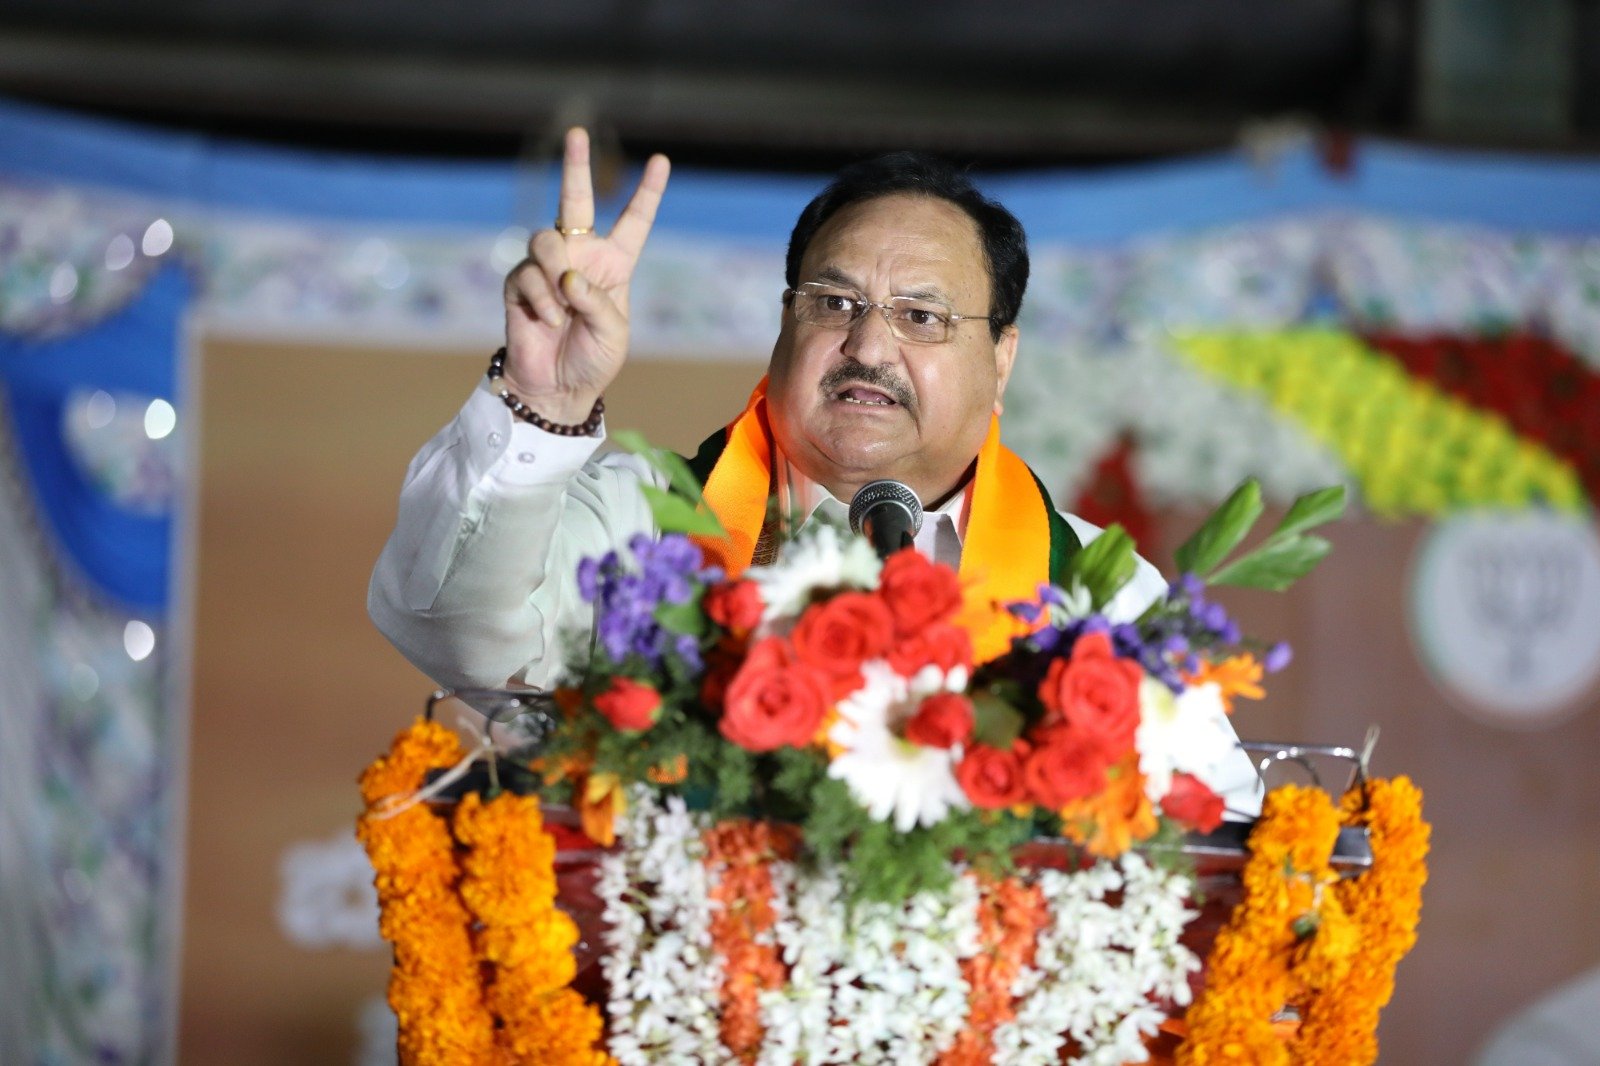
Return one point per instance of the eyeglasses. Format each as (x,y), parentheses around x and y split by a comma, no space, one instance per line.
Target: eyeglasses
(910,318)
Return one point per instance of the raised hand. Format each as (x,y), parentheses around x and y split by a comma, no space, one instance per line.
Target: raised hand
(567,303)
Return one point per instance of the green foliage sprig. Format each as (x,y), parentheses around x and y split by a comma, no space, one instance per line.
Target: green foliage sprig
(1285,556)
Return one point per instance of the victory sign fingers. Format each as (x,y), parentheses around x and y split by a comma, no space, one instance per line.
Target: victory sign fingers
(567,303)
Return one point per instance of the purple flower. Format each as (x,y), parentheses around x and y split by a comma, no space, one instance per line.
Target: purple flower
(645,639)
(1026,610)
(1213,616)
(615,631)
(666,566)
(663,572)
(688,649)
(589,573)
(1048,640)
(1278,656)
(1188,586)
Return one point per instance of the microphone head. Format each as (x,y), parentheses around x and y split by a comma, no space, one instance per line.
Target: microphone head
(885,493)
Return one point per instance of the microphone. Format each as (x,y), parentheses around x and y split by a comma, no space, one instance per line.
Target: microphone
(888,514)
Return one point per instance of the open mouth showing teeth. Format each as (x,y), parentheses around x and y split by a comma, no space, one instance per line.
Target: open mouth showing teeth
(865,397)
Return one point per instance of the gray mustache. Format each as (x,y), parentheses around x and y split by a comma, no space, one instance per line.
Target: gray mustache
(874,377)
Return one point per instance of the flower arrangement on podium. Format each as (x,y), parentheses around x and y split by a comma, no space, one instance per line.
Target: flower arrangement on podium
(813,793)
(841,694)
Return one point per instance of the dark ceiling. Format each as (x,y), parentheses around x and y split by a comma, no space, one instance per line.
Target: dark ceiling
(787,83)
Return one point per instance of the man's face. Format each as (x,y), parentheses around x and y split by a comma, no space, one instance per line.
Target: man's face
(849,407)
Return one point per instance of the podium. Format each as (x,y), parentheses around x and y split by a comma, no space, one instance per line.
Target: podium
(1214,859)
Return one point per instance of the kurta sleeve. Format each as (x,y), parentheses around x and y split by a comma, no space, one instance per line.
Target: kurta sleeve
(477,584)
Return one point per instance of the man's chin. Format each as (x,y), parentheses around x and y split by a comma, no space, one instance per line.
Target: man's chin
(854,462)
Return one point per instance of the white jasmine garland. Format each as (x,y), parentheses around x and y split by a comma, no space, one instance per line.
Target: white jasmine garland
(1099,969)
(810,931)
(664,977)
(822,557)
(880,982)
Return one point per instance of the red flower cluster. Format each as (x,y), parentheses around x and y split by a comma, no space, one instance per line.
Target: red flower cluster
(778,692)
(628,704)
(992,778)
(774,700)
(1542,390)
(1191,801)
(735,606)
(774,690)
(1091,702)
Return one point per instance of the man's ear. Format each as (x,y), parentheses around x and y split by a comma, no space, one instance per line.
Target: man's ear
(1005,354)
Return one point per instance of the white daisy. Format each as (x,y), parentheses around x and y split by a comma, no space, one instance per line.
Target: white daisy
(887,774)
(821,557)
(1184,733)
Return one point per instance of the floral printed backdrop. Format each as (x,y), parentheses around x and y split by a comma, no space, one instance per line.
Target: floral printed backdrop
(1430,363)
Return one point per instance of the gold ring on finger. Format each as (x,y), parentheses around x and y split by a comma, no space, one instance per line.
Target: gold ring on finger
(572,231)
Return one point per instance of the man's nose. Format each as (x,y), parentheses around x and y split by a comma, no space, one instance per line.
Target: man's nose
(871,339)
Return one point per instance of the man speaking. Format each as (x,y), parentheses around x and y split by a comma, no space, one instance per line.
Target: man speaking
(898,338)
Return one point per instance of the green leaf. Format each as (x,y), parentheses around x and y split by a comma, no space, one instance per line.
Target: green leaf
(686,618)
(1312,510)
(994,721)
(1223,531)
(670,464)
(631,440)
(674,514)
(1104,565)
(1275,565)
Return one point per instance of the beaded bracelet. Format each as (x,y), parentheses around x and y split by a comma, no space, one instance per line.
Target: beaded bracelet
(586,428)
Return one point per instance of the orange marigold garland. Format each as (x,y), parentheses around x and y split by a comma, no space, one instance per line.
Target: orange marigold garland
(1010,915)
(482,956)
(1384,904)
(1302,936)
(1248,975)
(740,853)
(509,885)
(433,985)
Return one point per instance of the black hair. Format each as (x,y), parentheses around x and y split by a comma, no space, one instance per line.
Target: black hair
(1005,246)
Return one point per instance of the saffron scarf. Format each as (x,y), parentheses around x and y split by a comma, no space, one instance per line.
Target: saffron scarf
(1014,541)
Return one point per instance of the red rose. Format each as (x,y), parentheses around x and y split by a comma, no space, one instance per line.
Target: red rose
(840,634)
(992,778)
(1191,801)
(1065,766)
(943,720)
(734,605)
(918,591)
(774,700)
(941,644)
(1095,692)
(629,705)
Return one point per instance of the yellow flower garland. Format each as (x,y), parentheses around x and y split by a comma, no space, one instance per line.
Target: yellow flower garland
(1385,904)
(1301,936)
(433,985)
(1414,448)
(482,956)
(1248,976)
(509,886)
